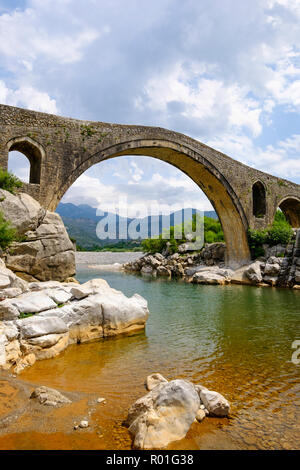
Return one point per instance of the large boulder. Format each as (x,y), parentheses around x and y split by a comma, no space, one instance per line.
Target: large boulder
(163,415)
(254,272)
(212,275)
(213,253)
(46,252)
(24,212)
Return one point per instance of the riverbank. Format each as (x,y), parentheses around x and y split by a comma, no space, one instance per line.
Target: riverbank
(234,339)
(280,267)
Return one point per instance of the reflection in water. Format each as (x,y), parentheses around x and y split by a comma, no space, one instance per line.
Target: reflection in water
(233,339)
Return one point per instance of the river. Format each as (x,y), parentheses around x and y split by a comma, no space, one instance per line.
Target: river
(233,339)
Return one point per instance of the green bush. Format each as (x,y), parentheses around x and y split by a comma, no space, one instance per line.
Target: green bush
(9,182)
(7,232)
(280,232)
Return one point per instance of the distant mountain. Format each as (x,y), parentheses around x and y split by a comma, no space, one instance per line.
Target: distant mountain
(81,222)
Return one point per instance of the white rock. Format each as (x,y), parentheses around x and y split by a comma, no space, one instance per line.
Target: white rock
(11,331)
(39,326)
(121,313)
(38,286)
(4,280)
(23,211)
(45,341)
(48,252)
(59,295)
(212,275)
(272,269)
(164,415)
(33,302)
(11,292)
(84,424)
(91,287)
(153,380)
(200,415)
(3,342)
(147,270)
(215,403)
(8,311)
(254,272)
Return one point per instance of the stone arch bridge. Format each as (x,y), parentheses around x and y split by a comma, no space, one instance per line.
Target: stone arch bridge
(60,149)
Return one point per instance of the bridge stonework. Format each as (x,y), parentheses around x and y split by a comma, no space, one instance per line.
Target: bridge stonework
(61,149)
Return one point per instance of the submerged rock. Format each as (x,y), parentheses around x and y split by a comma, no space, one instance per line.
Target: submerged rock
(215,403)
(84,424)
(153,380)
(49,396)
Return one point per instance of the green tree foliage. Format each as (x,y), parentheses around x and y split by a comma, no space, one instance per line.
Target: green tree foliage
(212,233)
(280,232)
(9,182)
(7,232)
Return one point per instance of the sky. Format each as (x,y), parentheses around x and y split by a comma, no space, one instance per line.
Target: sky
(226,72)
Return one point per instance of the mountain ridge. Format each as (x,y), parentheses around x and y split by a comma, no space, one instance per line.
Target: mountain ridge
(81,222)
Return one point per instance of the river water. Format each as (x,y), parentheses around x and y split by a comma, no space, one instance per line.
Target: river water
(233,339)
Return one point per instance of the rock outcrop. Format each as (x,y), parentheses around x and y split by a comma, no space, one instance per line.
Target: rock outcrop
(167,412)
(176,265)
(45,251)
(45,317)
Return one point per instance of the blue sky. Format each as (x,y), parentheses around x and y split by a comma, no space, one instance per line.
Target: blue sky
(226,72)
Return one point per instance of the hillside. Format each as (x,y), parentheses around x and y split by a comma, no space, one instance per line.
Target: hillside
(81,222)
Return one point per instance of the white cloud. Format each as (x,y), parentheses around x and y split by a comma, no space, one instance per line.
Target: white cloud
(202,99)
(156,191)
(280,159)
(27,97)
(29,35)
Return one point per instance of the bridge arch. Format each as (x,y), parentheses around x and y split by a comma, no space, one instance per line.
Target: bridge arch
(290,206)
(209,179)
(34,153)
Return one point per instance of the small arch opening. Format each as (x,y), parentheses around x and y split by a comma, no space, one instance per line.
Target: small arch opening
(19,165)
(291,209)
(25,159)
(259,200)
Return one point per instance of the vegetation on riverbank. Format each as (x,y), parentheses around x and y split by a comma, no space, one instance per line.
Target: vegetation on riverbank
(280,232)
(212,233)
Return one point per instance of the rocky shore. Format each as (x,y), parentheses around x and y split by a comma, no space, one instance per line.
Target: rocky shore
(279,267)
(38,320)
